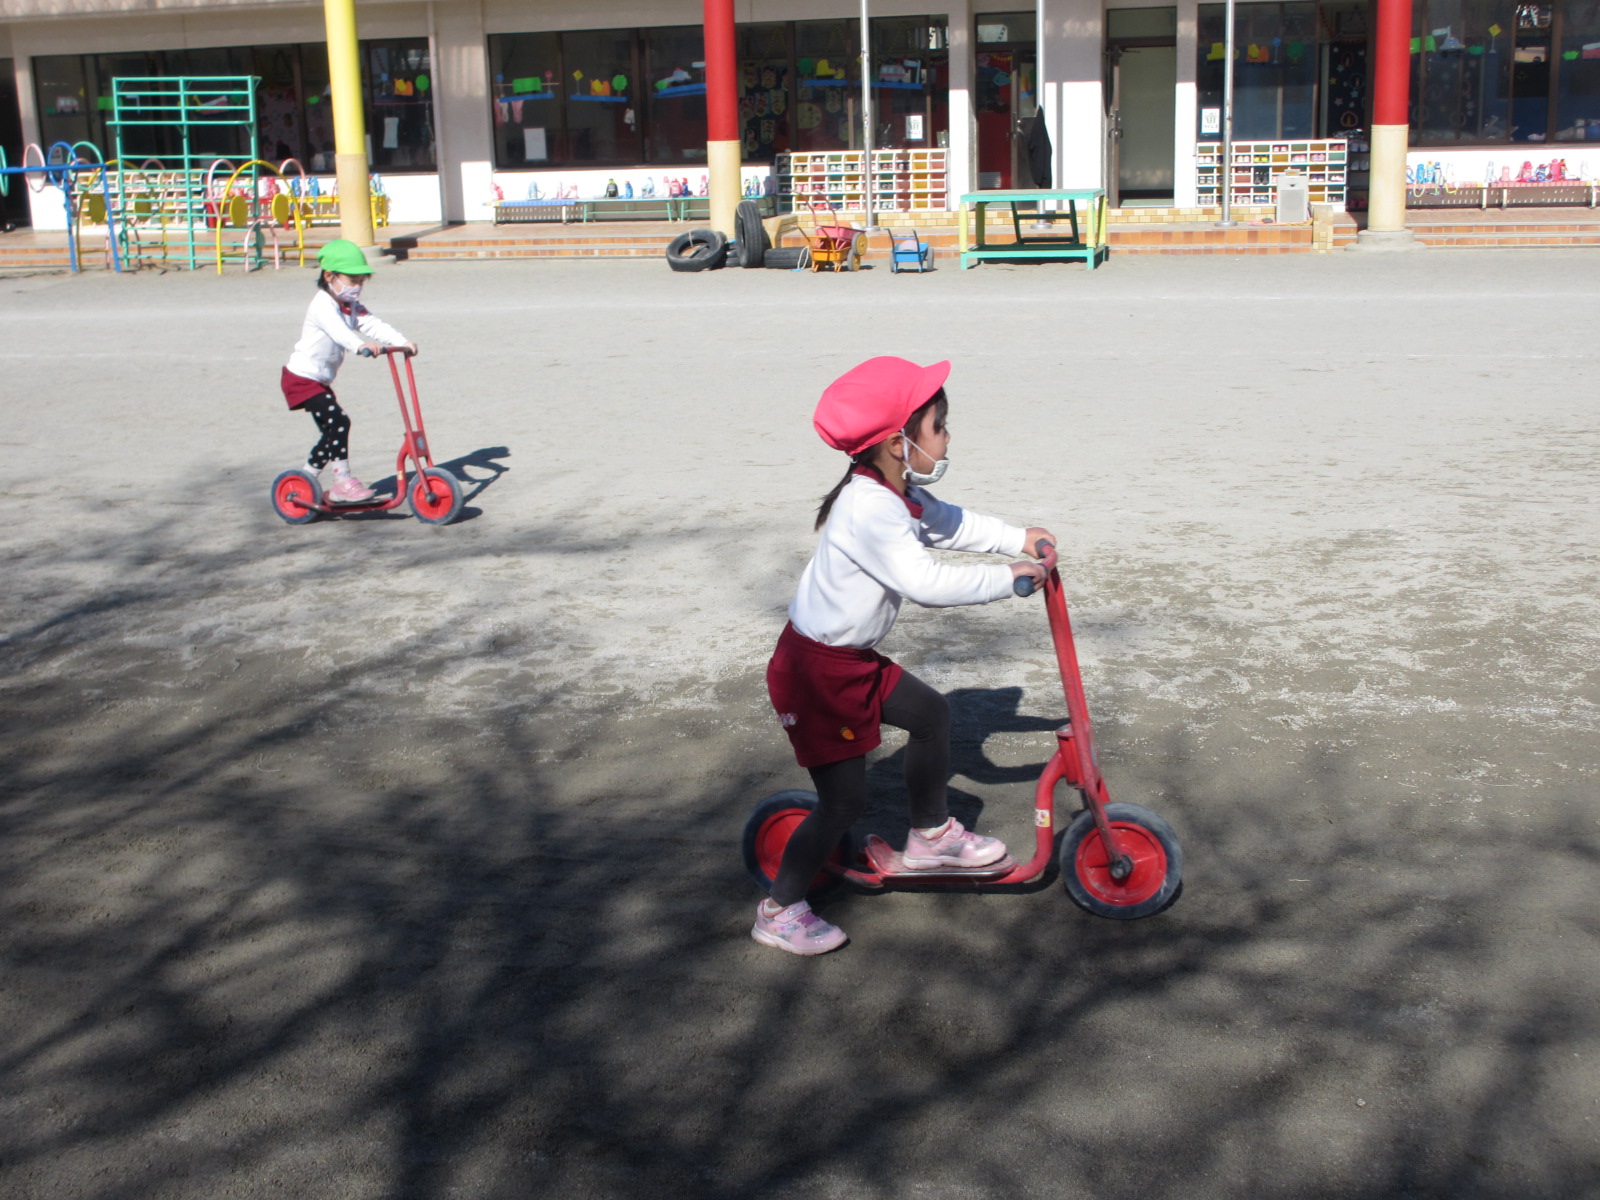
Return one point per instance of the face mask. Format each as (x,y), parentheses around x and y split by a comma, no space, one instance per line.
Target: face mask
(349,295)
(917,477)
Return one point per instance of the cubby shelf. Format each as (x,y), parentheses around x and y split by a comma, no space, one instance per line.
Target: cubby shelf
(1253,173)
(902,180)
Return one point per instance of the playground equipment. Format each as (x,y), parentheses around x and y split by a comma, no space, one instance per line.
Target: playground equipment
(264,206)
(172,194)
(185,124)
(84,189)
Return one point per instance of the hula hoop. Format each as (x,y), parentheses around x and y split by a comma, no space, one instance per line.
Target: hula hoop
(98,157)
(32,169)
(256,219)
(5,179)
(58,175)
(211,173)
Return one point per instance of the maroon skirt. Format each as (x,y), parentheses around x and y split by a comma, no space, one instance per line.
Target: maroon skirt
(297,389)
(829,699)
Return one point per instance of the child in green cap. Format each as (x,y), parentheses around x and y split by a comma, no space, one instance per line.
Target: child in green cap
(336,321)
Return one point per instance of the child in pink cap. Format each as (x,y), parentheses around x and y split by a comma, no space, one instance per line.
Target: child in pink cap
(831,688)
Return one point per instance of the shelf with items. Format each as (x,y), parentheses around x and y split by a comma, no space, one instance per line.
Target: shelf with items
(1253,172)
(901,180)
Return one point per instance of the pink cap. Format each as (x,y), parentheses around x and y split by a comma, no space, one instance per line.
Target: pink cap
(868,403)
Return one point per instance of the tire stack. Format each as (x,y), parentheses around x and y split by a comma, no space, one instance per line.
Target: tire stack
(707,250)
(753,242)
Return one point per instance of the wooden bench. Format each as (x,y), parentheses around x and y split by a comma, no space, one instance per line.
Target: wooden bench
(636,208)
(517,212)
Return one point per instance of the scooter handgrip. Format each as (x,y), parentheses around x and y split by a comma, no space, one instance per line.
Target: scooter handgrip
(367,352)
(1023,585)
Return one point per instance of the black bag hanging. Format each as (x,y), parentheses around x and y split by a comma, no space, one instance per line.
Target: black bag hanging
(1036,140)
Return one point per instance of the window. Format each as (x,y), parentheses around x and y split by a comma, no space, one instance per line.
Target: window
(911,89)
(675,95)
(1501,71)
(294,119)
(638,96)
(602,96)
(609,97)
(1577,83)
(1274,70)
(765,124)
(398,80)
(828,92)
(528,110)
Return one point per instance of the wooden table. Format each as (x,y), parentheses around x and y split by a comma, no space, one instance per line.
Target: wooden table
(1088,239)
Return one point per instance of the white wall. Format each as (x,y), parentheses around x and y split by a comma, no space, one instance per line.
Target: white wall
(1072,44)
(1186,107)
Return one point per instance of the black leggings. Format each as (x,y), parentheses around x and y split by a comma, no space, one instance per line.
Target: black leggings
(335,426)
(842,786)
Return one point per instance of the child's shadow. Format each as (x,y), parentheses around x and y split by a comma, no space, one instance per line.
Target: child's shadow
(975,713)
(471,487)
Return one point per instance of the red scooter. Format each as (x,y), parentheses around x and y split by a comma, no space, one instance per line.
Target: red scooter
(435,495)
(1117,860)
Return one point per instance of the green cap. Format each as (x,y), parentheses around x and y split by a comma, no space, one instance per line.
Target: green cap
(344,257)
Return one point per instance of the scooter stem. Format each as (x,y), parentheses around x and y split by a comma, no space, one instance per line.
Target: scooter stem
(1079,729)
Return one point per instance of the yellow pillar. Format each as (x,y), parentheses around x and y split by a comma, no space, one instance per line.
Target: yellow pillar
(349,123)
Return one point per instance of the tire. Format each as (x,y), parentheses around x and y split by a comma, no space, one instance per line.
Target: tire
(1157,864)
(296,495)
(697,250)
(786,258)
(767,833)
(446,492)
(752,234)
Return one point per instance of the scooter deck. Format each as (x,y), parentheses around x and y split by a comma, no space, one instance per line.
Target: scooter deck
(889,863)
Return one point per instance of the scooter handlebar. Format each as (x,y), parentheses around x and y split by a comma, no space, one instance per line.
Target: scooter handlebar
(1023,585)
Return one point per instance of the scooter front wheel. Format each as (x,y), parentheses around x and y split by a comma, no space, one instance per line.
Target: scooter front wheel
(767,834)
(296,495)
(435,496)
(1146,839)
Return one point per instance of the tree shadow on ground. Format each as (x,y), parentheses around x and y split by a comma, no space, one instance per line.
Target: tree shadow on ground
(263,933)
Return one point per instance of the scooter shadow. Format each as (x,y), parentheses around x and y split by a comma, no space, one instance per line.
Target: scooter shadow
(975,714)
(471,487)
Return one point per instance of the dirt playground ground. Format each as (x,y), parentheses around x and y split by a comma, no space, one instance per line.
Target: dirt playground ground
(370,859)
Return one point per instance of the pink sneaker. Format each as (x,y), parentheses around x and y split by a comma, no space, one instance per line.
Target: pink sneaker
(796,929)
(347,489)
(955,847)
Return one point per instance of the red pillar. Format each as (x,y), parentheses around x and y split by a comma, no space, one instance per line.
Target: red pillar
(722,113)
(1391,94)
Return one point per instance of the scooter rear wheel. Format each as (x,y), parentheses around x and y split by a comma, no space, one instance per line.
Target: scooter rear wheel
(1144,837)
(295,496)
(435,496)
(767,834)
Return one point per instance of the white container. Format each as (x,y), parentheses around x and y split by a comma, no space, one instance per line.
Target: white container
(1293,200)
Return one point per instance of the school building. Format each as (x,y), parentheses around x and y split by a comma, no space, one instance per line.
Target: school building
(469,98)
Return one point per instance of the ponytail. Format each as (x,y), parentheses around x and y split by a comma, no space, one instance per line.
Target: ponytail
(856,460)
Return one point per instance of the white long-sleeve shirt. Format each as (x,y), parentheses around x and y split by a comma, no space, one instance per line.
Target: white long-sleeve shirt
(326,335)
(873,553)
